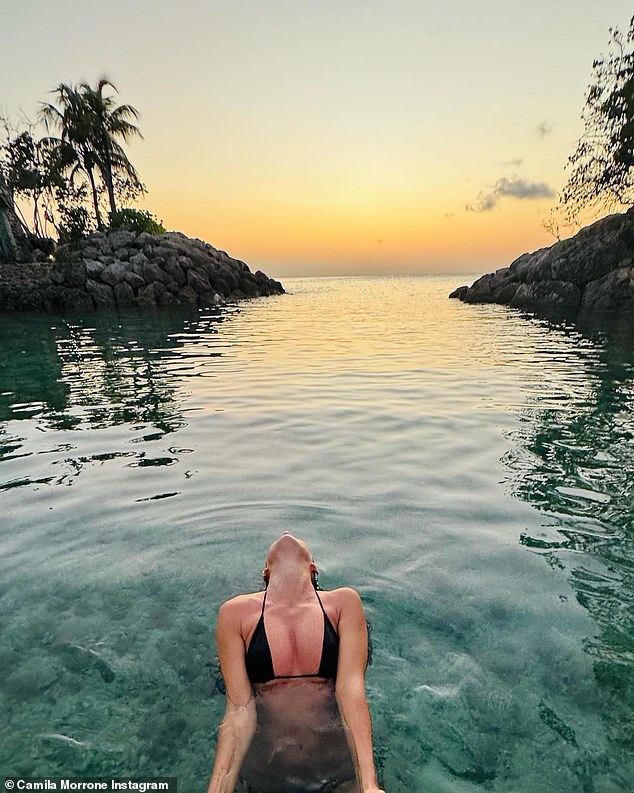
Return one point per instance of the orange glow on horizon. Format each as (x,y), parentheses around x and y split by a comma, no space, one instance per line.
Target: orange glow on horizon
(323,239)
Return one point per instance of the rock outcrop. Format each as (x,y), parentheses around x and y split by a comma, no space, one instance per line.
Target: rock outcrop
(590,272)
(15,245)
(123,268)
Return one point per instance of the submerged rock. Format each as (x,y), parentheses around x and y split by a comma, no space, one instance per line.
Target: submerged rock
(122,268)
(592,271)
(78,659)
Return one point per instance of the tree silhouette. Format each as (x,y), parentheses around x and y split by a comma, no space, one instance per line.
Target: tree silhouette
(601,170)
(89,125)
(110,122)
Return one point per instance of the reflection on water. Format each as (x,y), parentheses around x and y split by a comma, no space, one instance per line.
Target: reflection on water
(104,371)
(574,462)
(111,370)
(434,455)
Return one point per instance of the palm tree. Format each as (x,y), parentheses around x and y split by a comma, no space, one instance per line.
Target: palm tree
(89,124)
(110,122)
(72,120)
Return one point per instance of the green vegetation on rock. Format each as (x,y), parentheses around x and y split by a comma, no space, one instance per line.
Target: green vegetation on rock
(136,220)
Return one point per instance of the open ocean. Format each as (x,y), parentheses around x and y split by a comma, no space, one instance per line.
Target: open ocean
(468,469)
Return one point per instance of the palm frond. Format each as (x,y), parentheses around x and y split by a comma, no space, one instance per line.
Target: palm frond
(50,115)
(124,112)
(103,82)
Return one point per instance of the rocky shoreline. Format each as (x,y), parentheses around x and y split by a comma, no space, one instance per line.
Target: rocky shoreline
(124,268)
(592,272)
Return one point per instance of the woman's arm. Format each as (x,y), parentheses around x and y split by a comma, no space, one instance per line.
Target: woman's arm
(350,688)
(239,722)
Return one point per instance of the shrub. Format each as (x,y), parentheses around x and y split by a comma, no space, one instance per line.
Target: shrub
(75,223)
(136,220)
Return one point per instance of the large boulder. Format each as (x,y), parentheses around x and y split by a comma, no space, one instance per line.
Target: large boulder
(102,294)
(114,273)
(615,291)
(592,271)
(175,271)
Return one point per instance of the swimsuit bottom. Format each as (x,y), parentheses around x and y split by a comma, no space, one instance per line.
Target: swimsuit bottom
(319,787)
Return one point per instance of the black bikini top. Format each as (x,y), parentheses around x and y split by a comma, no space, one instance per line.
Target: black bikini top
(259,662)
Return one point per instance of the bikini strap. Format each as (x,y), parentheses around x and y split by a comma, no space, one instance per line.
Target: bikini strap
(320,603)
(264,602)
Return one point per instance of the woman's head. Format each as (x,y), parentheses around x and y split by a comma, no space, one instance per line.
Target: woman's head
(290,555)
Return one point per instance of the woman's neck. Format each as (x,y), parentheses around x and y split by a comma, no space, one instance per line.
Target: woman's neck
(290,586)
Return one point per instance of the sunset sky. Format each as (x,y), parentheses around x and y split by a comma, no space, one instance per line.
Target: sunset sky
(333,137)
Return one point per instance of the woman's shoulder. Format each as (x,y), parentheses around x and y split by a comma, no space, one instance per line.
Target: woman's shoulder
(344,597)
(345,592)
(241,605)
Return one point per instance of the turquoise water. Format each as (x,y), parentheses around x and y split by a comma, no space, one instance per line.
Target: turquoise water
(467,469)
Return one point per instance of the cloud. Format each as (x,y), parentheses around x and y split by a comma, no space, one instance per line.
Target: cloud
(515,162)
(510,187)
(545,128)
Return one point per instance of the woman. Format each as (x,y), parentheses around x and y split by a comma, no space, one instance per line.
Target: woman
(293,661)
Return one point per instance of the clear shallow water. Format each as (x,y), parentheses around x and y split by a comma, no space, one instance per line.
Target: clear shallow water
(468,470)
